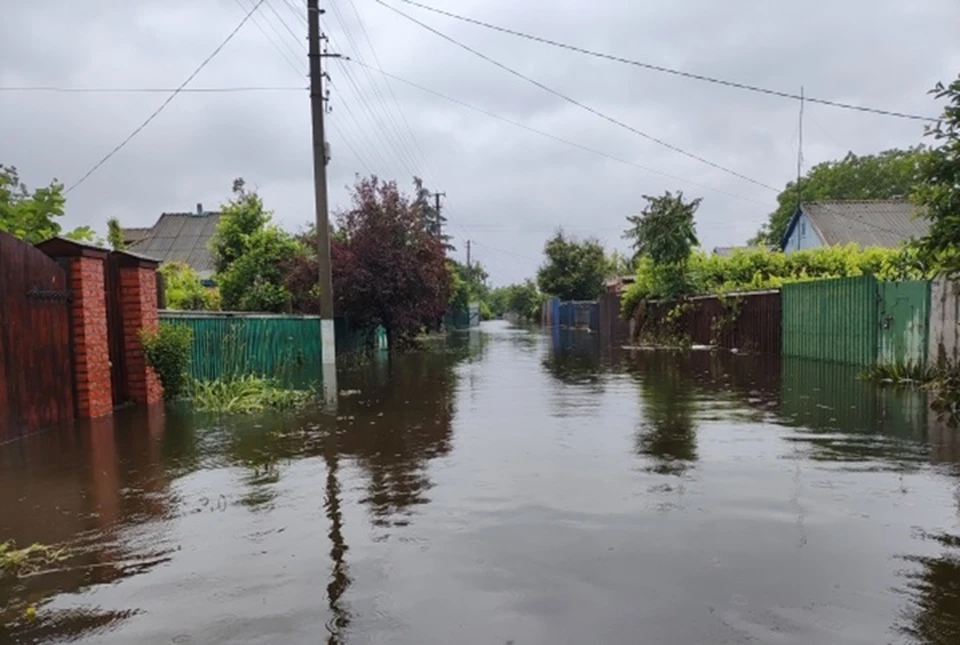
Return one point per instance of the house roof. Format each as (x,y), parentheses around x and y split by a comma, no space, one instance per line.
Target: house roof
(181,237)
(134,235)
(882,222)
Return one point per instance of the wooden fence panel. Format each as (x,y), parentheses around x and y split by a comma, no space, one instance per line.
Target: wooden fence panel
(36,372)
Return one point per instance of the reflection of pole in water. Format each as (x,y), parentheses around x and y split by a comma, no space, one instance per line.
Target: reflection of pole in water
(339,581)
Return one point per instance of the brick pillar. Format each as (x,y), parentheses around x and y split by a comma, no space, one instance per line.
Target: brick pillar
(91,352)
(138,300)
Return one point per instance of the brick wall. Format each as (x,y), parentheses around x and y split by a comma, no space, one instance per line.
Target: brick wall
(138,299)
(91,352)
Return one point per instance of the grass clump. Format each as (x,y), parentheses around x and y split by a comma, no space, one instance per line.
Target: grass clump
(28,559)
(906,373)
(246,394)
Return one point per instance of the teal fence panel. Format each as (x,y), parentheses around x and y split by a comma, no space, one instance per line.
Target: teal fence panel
(904,315)
(261,344)
(831,320)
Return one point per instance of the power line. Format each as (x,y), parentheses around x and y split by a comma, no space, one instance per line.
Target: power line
(403,116)
(170,98)
(558,138)
(151,90)
(668,70)
(579,104)
(276,45)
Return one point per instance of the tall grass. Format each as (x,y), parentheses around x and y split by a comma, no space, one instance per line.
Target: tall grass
(246,394)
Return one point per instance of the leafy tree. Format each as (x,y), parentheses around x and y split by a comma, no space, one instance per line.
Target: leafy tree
(881,176)
(665,233)
(938,192)
(250,254)
(574,269)
(388,270)
(184,289)
(469,284)
(524,299)
(32,215)
(115,234)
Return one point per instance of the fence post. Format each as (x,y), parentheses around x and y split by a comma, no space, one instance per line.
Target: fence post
(138,306)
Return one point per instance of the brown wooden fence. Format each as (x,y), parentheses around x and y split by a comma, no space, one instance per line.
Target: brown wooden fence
(748,321)
(36,374)
(613,329)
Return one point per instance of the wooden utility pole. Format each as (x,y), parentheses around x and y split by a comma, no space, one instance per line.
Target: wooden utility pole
(317,109)
(468,254)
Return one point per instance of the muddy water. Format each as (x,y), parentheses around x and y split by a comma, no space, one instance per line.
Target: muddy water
(505,487)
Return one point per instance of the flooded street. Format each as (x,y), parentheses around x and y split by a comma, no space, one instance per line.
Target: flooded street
(505,486)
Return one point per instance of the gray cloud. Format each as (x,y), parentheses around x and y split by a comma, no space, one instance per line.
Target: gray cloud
(507,188)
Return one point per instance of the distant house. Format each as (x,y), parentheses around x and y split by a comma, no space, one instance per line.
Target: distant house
(178,237)
(885,223)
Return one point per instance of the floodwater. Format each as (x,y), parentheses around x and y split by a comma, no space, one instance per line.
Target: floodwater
(505,487)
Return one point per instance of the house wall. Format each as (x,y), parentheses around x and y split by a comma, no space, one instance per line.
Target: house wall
(803,236)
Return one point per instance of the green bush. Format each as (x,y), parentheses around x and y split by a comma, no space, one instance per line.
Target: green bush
(167,351)
(245,394)
(760,268)
(184,289)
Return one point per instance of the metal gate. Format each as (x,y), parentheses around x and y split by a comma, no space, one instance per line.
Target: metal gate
(904,311)
(36,372)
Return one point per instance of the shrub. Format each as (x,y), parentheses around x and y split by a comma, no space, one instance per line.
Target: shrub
(167,351)
(760,268)
(245,394)
(185,290)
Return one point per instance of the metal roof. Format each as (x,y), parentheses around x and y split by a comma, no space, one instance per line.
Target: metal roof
(134,234)
(181,237)
(886,223)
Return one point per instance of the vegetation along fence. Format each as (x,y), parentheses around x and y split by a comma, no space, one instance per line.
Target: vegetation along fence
(232,344)
(858,321)
(748,321)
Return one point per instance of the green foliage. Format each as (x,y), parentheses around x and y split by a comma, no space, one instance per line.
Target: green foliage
(468,284)
(244,395)
(900,373)
(185,290)
(665,231)
(619,265)
(882,176)
(522,299)
(938,192)
(167,351)
(30,215)
(250,254)
(760,268)
(574,269)
(115,234)
(28,559)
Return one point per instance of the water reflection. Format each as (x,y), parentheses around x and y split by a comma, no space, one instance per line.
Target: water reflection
(574,358)
(932,616)
(666,434)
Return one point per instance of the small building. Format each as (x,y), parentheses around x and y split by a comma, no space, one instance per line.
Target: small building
(885,223)
(618,284)
(179,237)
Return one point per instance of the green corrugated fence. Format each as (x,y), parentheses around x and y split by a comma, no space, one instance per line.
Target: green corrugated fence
(858,321)
(831,320)
(236,344)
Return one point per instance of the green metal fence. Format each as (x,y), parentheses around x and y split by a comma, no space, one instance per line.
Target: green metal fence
(857,321)
(904,315)
(235,344)
(831,320)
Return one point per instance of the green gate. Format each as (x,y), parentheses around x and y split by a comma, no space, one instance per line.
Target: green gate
(903,312)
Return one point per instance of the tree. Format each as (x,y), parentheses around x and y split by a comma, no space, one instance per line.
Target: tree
(115,234)
(184,290)
(388,270)
(525,300)
(32,215)
(938,191)
(574,270)
(250,253)
(664,234)
(885,175)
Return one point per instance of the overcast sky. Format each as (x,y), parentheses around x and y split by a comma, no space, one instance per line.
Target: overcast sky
(507,188)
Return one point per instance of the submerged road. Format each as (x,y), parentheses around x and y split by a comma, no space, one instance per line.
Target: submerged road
(505,486)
